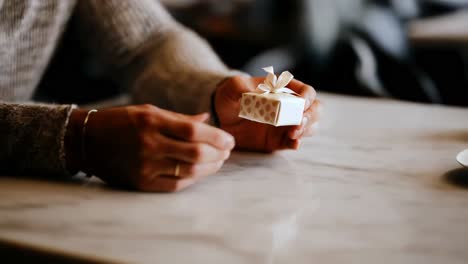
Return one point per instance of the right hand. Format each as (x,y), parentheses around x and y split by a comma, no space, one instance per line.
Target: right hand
(140,147)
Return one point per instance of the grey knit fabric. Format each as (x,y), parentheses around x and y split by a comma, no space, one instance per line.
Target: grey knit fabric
(31,138)
(145,51)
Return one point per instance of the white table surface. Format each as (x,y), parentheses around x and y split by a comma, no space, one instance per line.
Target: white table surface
(377,185)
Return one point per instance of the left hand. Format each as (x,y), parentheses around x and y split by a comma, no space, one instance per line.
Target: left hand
(253,136)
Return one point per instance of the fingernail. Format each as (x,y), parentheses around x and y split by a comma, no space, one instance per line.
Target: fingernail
(298,133)
(229,143)
(304,121)
(205,116)
(307,104)
(226,154)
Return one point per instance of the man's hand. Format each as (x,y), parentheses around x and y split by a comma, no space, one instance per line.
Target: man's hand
(140,146)
(255,136)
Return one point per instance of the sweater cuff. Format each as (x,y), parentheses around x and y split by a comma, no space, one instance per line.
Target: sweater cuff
(33,136)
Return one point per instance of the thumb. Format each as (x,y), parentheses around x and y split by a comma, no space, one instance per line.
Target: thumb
(234,87)
(199,117)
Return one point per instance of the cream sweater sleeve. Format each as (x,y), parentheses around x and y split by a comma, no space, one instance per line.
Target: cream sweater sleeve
(161,61)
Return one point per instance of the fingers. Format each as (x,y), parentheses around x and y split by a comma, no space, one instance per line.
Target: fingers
(294,144)
(191,152)
(234,87)
(165,181)
(280,140)
(181,165)
(198,118)
(305,91)
(188,128)
(312,130)
(199,133)
(166,184)
(203,117)
(311,116)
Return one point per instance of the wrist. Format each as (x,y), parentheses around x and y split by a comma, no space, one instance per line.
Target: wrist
(213,100)
(214,114)
(73,141)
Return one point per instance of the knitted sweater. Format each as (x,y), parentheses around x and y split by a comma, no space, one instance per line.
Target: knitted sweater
(143,48)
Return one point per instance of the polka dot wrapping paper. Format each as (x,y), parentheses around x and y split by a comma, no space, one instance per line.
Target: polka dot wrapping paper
(273,109)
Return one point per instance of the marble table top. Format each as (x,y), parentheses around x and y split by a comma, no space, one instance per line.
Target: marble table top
(379,184)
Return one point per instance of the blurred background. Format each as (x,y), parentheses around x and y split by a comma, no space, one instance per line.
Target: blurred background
(407,49)
(415,50)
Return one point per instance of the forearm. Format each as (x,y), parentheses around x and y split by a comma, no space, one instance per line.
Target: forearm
(116,30)
(32,138)
(179,73)
(147,51)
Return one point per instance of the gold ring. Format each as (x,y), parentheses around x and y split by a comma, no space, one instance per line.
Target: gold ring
(177,170)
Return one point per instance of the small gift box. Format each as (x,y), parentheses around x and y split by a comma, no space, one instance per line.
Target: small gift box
(273,103)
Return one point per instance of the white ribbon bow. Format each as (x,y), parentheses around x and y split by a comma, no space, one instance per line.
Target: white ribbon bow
(276,85)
